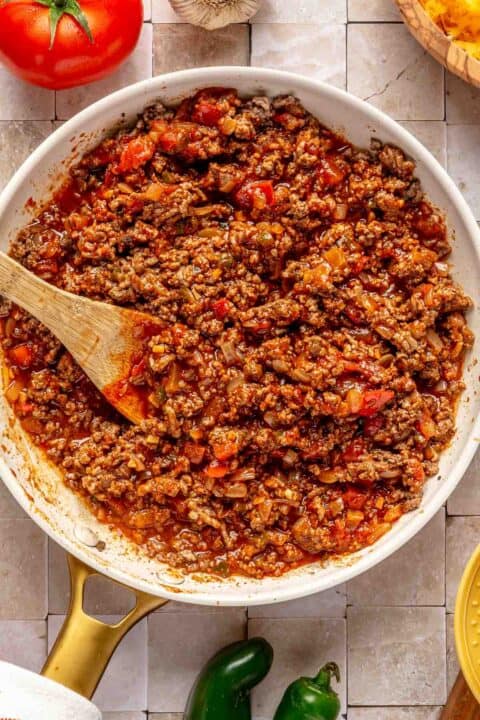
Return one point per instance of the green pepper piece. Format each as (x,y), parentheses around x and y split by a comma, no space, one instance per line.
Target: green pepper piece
(222,689)
(311,698)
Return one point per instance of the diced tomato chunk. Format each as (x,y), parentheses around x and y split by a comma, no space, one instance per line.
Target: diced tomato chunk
(138,151)
(138,368)
(46,267)
(169,141)
(207,113)
(354,314)
(329,172)
(261,326)
(194,452)
(372,425)
(221,308)
(354,499)
(22,355)
(359,265)
(354,450)
(226,450)
(419,473)
(374,400)
(217,469)
(258,194)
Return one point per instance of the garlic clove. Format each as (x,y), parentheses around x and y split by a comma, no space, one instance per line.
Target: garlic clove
(213,14)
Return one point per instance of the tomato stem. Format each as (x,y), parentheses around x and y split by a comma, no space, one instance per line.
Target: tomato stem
(58,8)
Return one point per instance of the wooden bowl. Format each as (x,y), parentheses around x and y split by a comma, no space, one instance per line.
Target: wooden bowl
(428,34)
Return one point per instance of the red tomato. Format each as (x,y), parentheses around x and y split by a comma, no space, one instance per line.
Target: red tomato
(354,450)
(194,452)
(226,450)
(221,308)
(374,400)
(217,469)
(90,40)
(329,172)
(136,153)
(258,193)
(372,425)
(207,113)
(354,499)
(22,355)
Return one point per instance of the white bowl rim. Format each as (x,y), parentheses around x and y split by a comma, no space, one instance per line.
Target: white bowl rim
(210,76)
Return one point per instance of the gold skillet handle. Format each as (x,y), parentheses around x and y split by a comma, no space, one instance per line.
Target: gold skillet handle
(85,645)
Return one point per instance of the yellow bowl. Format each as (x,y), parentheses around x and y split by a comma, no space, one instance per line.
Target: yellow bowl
(467,624)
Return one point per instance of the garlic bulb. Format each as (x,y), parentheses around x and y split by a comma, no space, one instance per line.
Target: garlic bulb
(212,14)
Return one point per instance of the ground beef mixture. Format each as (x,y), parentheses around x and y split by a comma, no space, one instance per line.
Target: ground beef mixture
(305,377)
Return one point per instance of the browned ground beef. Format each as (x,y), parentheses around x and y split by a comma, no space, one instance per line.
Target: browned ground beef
(306,379)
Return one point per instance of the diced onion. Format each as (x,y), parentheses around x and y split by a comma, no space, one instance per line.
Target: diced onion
(290,458)
(235,383)
(280,365)
(340,212)
(230,352)
(390,474)
(354,401)
(236,490)
(271,419)
(329,477)
(354,518)
(244,475)
(434,339)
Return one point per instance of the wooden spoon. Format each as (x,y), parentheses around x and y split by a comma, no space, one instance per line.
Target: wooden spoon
(461,704)
(105,340)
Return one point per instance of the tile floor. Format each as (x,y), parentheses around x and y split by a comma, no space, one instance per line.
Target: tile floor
(391,627)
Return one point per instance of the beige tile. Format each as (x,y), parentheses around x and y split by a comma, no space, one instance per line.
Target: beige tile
(463,535)
(387,67)
(124,685)
(396,656)
(452,662)
(414,575)
(301,11)
(330,603)
(301,646)
(372,10)
(23,562)
(24,643)
(17,141)
(397,713)
(102,596)
(22,101)
(9,508)
(137,67)
(465,500)
(124,716)
(462,101)
(462,162)
(162,12)
(432,134)
(165,716)
(177,47)
(317,51)
(178,646)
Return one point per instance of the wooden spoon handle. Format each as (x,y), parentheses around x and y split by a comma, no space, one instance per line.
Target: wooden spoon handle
(461,704)
(42,300)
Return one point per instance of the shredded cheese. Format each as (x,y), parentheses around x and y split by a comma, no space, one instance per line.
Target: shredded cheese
(459,19)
